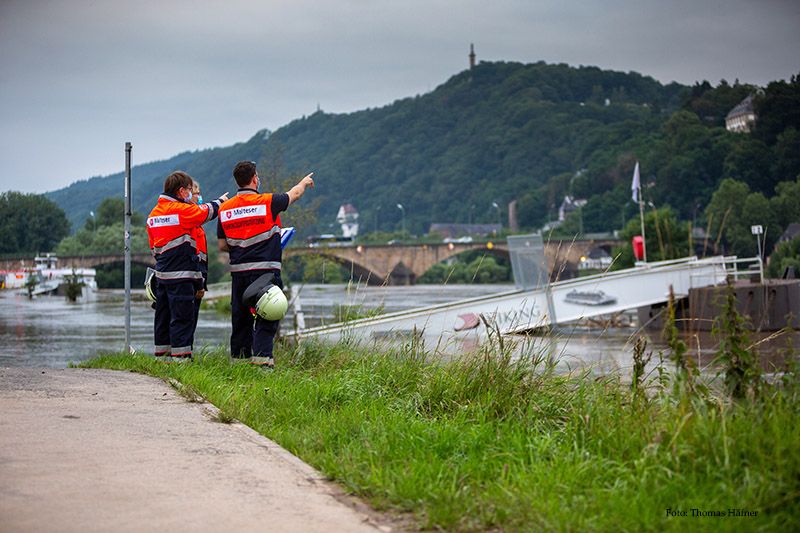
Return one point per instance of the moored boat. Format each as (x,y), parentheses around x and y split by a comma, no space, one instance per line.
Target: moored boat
(46,278)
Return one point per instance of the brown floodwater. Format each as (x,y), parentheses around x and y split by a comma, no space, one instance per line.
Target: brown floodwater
(51,332)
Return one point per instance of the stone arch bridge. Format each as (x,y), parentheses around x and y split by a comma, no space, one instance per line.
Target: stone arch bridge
(402,264)
(375,264)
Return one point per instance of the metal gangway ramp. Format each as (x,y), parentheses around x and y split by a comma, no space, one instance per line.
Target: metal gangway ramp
(535,303)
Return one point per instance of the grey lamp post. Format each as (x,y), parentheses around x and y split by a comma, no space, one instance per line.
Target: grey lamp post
(403,211)
(499,222)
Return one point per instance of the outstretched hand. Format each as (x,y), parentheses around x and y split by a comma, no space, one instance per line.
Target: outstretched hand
(224,197)
(297,191)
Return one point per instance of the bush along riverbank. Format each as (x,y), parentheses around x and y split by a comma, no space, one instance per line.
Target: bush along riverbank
(492,441)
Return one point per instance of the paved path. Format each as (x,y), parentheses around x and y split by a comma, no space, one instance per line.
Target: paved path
(97,450)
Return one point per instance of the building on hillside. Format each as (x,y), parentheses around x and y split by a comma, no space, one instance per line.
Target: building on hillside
(792,231)
(569,205)
(348,219)
(597,259)
(741,118)
(456,231)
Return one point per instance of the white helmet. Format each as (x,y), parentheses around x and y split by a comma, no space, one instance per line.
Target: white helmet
(272,304)
(150,284)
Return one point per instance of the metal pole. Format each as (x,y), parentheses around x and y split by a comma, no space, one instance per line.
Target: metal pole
(403,211)
(760,260)
(128,148)
(641,216)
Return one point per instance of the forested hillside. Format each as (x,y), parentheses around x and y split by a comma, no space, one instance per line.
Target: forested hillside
(505,131)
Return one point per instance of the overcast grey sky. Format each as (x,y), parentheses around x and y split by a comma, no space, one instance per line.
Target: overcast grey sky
(78,78)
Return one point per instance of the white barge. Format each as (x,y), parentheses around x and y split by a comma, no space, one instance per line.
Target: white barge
(44,277)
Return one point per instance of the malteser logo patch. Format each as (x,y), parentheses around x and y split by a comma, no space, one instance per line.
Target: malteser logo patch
(168,220)
(245,212)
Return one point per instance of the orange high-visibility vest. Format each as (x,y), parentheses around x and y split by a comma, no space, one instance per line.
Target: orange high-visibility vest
(202,244)
(171,229)
(252,232)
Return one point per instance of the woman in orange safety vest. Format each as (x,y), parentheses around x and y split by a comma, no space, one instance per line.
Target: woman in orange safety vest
(172,230)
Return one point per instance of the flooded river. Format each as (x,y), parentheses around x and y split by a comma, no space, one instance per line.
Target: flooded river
(51,332)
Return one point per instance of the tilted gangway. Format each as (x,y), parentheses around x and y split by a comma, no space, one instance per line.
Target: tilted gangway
(548,304)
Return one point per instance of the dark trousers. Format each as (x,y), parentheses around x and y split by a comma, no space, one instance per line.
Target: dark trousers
(198,302)
(250,336)
(174,321)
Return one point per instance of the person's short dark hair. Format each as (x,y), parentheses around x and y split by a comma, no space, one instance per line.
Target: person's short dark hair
(175,181)
(243,172)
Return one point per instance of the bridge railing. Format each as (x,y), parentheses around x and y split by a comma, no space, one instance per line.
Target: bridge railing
(754,266)
(738,268)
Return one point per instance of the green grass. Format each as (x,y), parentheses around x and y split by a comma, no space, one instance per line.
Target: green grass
(490,442)
(221,305)
(347,313)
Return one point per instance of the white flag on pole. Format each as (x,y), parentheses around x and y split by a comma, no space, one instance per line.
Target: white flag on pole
(636,186)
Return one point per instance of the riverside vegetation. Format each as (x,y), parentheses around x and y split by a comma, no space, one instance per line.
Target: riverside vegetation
(500,441)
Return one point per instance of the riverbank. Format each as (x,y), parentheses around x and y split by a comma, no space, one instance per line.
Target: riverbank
(491,442)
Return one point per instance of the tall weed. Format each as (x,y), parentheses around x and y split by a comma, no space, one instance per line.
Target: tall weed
(740,363)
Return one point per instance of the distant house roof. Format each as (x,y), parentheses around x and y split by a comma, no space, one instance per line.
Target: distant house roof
(598,253)
(791,232)
(569,205)
(570,201)
(745,107)
(741,118)
(347,214)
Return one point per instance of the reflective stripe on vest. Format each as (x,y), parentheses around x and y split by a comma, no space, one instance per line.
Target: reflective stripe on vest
(203,257)
(258,265)
(175,242)
(180,274)
(261,237)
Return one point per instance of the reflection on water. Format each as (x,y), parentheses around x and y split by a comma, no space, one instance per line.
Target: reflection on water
(49,331)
